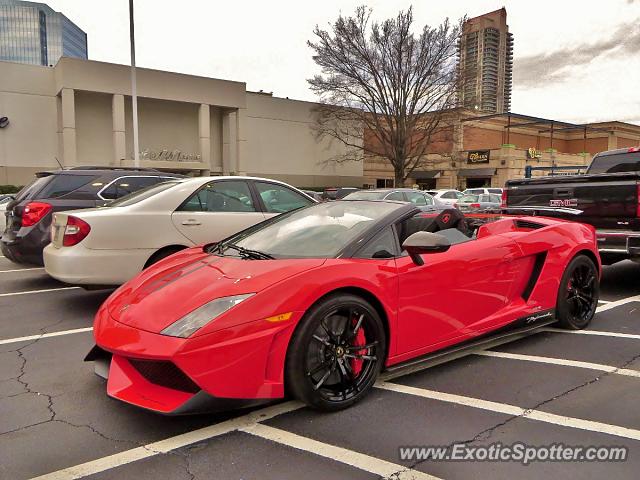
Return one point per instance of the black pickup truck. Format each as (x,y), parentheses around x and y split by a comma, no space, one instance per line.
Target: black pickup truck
(607,196)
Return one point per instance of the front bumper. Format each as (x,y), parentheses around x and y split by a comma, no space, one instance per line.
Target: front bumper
(79,265)
(619,242)
(228,369)
(130,385)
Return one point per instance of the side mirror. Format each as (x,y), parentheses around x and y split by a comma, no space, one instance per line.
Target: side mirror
(425,242)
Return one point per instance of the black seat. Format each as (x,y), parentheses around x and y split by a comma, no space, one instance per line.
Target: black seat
(450,218)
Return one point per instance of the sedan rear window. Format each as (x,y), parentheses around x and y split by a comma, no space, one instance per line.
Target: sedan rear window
(469,198)
(142,194)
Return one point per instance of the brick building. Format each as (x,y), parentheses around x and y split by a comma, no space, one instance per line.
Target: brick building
(487,150)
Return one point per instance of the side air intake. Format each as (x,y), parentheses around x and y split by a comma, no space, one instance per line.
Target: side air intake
(535,275)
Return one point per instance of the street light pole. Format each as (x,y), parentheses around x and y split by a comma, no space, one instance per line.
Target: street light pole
(134,96)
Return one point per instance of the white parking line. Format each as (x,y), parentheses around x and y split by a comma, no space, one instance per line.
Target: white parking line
(560,361)
(617,303)
(604,301)
(593,332)
(21,270)
(45,335)
(349,457)
(514,410)
(169,444)
(29,292)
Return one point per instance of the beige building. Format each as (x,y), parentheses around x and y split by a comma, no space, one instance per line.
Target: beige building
(474,150)
(79,113)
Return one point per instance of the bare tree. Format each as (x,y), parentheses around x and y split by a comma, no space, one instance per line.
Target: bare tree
(383,90)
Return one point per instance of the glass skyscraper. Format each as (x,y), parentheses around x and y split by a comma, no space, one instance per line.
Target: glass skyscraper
(34,33)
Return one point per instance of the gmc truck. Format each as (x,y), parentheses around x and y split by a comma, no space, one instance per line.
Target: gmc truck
(607,196)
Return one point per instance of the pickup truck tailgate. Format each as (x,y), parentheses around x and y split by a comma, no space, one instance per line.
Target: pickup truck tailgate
(607,201)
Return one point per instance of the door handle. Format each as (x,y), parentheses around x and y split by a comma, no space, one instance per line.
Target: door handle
(191,222)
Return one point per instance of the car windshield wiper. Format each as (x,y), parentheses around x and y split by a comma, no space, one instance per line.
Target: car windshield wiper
(248,253)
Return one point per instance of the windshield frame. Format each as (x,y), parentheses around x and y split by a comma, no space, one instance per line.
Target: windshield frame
(347,251)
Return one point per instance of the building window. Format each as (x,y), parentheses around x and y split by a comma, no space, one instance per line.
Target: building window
(384,183)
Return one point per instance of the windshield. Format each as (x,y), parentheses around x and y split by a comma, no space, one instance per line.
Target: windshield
(318,231)
(364,195)
(142,194)
(619,162)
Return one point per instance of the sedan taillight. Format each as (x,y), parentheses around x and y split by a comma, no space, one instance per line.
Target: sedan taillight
(75,231)
(34,212)
(475,205)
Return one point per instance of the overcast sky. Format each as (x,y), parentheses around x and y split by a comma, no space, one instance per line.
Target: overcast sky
(575,60)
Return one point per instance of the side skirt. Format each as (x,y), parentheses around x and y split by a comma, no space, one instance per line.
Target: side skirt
(520,328)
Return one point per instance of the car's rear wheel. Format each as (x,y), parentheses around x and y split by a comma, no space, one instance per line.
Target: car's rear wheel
(578,294)
(336,353)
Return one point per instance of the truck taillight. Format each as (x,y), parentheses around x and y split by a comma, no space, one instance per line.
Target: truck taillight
(503,202)
(34,212)
(75,231)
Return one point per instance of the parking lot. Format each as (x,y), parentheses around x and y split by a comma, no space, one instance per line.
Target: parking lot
(574,388)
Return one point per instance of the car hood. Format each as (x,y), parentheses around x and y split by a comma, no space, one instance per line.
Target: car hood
(167,291)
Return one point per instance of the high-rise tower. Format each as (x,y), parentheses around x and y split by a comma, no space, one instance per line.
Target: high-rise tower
(36,34)
(485,63)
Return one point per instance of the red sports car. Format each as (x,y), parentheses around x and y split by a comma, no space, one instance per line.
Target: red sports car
(316,302)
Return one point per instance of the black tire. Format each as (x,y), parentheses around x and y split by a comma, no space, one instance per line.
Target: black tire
(324,368)
(578,294)
(162,254)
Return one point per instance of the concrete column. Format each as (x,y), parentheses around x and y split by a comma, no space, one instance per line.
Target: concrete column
(229,143)
(613,142)
(204,133)
(69,148)
(241,141)
(119,136)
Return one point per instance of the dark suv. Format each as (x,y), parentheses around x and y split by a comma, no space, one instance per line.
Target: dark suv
(28,217)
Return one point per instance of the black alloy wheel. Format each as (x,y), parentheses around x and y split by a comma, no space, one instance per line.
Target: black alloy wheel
(336,353)
(578,293)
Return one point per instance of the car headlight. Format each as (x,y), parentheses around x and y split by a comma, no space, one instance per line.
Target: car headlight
(198,318)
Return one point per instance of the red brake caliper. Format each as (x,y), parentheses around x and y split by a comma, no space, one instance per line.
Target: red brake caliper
(356,365)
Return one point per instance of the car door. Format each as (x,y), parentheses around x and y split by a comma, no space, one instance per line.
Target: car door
(278,198)
(217,210)
(455,293)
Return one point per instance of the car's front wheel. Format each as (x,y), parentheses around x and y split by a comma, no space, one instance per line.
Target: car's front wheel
(578,294)
(336,353)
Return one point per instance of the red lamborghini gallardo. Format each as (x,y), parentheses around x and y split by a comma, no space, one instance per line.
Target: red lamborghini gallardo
(316,302)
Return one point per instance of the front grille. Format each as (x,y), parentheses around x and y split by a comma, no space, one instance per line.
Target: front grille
(165,374)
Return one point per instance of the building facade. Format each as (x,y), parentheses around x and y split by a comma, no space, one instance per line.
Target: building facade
(474,150)
(34,33)
(79,113)
(485,62)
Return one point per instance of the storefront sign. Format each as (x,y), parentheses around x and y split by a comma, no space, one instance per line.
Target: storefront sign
(478,156)
(169,155)
(533,153)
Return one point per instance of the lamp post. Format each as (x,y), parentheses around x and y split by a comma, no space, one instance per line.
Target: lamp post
(134,96)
